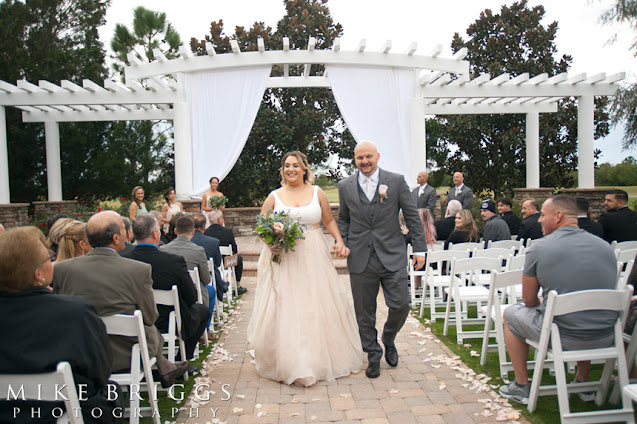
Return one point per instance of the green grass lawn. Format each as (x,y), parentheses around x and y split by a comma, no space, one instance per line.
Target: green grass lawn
(547,410)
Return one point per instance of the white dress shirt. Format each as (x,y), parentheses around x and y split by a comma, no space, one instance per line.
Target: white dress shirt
(369,184)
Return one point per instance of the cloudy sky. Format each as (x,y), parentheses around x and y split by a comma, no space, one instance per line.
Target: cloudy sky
(426,22)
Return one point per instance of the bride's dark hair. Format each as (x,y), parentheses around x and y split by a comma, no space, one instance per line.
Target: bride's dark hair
(308,175)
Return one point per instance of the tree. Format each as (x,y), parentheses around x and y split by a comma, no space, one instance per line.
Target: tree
(50,40)
(622,174)
(624,104)
(513,41)
(304,119)
(143,151)
(151,31)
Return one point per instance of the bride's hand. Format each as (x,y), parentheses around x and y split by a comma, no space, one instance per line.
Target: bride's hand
(341,250)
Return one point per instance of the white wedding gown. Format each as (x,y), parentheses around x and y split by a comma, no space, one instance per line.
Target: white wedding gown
(303,328)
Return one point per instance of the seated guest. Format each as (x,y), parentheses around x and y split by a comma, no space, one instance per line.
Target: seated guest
(495,228)
(40,329)
(567,259)
(225,236)
(70,237)
(444,227)
(530,228)
(619,222)
(466,229)
(114,285)
(428,226)
(170,270)
(583,218)
(128,228)
(195,256)
(49,224)
(504,208)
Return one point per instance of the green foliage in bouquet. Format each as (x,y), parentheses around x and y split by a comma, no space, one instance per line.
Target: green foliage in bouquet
(216,202)
(280,231)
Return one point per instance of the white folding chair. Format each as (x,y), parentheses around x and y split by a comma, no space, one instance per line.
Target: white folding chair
(624,245)
(194,276)
(501,288)
(469,245)
(173,337)
(230,276)
(505,244)
(140,364)
(461,293)
(495,253)
(416,295)
(435,279)
(515,262)
(584,300)
(43,387)
(219,303)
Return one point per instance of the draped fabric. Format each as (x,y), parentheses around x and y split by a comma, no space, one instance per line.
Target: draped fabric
(374,103)
(223,105)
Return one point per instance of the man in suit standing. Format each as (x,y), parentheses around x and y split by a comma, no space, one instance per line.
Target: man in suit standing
(424,194)
(370,201)
(226,238)
(114,285)
(530,228)
(195,257)
(169,270)
(460,192)
(504,208)
(619,222)
(584,222)
(444,227)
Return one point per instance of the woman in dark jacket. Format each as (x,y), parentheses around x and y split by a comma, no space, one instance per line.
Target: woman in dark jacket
(466,229)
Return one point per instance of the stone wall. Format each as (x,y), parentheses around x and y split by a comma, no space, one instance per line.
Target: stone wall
(67,207)
(14,214)
(539,194)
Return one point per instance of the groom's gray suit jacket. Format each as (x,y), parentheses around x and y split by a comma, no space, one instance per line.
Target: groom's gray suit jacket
(364,224)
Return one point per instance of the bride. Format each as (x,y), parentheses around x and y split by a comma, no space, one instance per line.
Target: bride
(303,328)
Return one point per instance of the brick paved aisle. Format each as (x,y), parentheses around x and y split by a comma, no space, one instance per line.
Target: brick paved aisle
(430,385)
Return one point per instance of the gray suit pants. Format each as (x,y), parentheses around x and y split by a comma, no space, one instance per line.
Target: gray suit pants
(365,293)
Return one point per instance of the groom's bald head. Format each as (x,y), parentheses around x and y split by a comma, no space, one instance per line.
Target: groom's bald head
(366,157)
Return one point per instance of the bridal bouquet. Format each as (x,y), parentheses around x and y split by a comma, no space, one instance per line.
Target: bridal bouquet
(279,231)
(216,202)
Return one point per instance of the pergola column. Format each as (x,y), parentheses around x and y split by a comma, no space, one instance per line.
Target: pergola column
(418,137)
(585,142)
(183,151)
(532,150)
(4,160)
(53,162)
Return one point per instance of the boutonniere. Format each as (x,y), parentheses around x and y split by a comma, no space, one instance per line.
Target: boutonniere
(382,190)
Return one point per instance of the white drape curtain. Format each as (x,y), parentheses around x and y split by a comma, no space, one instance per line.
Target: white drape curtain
(374,103)
(223,105)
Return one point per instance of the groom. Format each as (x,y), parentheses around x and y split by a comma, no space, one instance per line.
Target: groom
(370,201)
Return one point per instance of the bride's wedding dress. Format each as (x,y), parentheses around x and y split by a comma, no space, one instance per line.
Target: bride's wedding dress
(303,328)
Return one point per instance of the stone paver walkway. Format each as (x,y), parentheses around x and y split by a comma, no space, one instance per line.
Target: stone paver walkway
(430,385)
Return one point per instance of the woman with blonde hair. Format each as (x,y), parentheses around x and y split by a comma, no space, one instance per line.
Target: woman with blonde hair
(466,229)
(70,237)
(137,207)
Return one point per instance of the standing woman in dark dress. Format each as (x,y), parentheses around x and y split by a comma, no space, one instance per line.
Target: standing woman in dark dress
(466,229)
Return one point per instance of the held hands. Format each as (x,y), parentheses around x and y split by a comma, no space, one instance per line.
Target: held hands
(420,262)
(340,249)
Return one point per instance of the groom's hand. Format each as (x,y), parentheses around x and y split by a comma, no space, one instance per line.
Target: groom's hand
(420,262)
(341,250)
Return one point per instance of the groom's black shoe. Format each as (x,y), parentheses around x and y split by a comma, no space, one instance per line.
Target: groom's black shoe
(391,355)
(373,370)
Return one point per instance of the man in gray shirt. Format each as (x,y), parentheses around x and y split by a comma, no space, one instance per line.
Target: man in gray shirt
(496,228)
(566,259)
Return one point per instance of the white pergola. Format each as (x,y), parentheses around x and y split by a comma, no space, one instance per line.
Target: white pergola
(442,86)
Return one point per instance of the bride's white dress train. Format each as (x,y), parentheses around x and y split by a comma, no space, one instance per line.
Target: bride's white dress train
(303,328)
